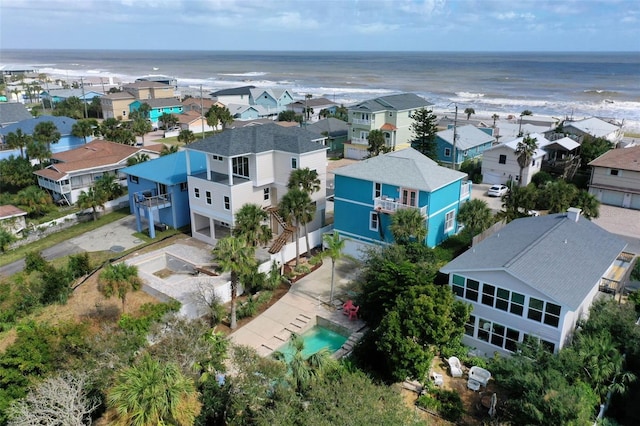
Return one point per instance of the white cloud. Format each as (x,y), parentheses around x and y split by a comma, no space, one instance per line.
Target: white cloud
(513,16)
(375,28)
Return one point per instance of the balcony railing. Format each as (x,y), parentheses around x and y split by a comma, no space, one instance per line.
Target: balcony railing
(361,121)
(148,199)
(360,141)
(389,205)
(464,190)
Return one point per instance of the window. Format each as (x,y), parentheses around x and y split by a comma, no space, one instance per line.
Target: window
(448,221)
(502,299)
(266,194)
(294,163)
(216,157)
(535,309)
(484,327)
(614,172)
(502,159)
(208,194)
(373,221)
(409,197)
(511,341)
(470,325)
(552,314)
(472,290)
(532,342)
(240,166)
(497,335)
(227,203)
(196,192)
(184,187)
(447,152)
(488,294)
(458,285)
(377,189)
(133,179)
(533,162)
(517,304)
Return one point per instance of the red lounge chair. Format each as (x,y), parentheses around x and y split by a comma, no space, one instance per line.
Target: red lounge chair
(346,308)
(353,313)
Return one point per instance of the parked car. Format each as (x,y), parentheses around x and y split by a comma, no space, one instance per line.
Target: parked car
(497,190)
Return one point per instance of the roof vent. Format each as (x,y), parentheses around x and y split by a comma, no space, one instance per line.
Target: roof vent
(573,213)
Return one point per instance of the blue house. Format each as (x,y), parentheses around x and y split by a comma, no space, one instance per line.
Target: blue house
(158,107)
(158,191)
(368,193)
(471,142)
(63,124)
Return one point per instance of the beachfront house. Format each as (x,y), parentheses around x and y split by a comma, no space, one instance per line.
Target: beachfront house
(594,127)
(76,170)
(500,165)
(234,95)
(158,190)
(251,165)
(149,90)
(368,193)
(315,106)
(470,142)
(536,277)
(63,124)
(392,115)
(58,95)
(199,105)
(615,177)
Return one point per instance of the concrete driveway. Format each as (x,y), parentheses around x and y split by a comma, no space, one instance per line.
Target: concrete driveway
(623,222)
(479,191)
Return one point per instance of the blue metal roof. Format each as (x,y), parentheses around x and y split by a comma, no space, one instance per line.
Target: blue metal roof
(169,169)
(64,125)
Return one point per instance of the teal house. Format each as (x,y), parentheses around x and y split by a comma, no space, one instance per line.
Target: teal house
(471,142)
(158,107)
(158,190)
(368,193)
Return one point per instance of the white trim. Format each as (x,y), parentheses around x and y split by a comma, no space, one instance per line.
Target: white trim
(357,237)
(453,220)
(371,206)
(377,220)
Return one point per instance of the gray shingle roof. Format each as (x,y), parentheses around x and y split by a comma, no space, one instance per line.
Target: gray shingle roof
(244,90)
(400,102)
(333,126)
(467,137)
(407,168)
(256,139)
(162,102)
(12,113)
(553,254)
(64,125)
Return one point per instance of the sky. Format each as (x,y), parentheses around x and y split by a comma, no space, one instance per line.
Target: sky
(329,25)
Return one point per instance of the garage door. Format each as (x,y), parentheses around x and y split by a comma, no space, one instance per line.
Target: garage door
(635,201)
(492,178)
(612,198)
(355,153)
(355,249)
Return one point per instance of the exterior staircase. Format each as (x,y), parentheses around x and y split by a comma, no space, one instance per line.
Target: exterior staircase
(287,231)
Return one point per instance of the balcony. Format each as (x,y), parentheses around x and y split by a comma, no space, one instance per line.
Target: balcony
(360,141)
(221,178)
(362,121)
(389,205)
(465,189)
(150,199)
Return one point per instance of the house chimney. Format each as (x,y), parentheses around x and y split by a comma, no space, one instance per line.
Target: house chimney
(573,213)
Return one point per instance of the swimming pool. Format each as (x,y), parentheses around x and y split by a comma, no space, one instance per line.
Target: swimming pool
(315,339)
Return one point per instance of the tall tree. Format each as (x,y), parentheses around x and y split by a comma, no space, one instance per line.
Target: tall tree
(407,225)
(296,208)
(119,279)
(424,132)
(18,140)
(524,153)
(333,249)
(93,199)
(476,216)
(591,148)
(186,136)
(526,112)
(109,185)
(219,116)
(469,112)
(84,128)
(588,203)
(495,117)
(250,225)
(39,151)
(140,127)
(377,143)
(16,173)
(304,179)
(168,120)
(559,195)
(517,202)
(140,157)
(46,132)
(150,394)
(234,255)
(34,200)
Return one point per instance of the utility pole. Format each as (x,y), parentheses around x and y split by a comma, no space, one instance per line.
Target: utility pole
(84,100)
(455,136)
(201,112)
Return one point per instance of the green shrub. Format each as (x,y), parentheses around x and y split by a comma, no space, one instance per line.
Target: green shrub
(635,272)
(541,178)
(247,309)
(34,262)
(445,402)
(428,402)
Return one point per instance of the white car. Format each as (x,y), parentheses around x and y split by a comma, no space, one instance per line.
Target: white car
(497,190)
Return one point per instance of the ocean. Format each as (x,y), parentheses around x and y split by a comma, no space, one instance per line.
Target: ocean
(553,84)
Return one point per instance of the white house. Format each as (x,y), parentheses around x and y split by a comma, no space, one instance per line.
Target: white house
(535,277)
(615,177)
(594,127)
(500,164)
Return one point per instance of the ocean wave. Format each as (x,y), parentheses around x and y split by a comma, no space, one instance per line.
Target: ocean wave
(245,74)
(469,95)
(601,92)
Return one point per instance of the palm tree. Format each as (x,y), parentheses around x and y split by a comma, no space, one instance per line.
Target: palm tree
(34,200)
(559,195)
(140,157)
(524,153)
(18,140)
(250,225)
(168,120)
(140,127)
(119,279)
(234,255)
(304,371)
(476,216)
(218,115)
(334,246)
(83,128)
(144,109)
(522,114)
(588,203)
(495,117)
(169,149)
(377,143)
(186,136)
(38,150)
(46,132)
(296,208)
(92,198)
(469,112)
(150,393)
(304,179)
(407,224)
(517,202)
(109,185)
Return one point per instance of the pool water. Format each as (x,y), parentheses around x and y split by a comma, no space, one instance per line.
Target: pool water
(314,340)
